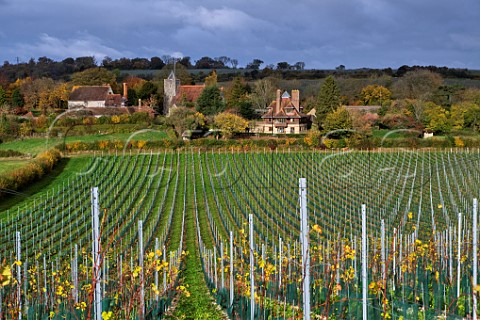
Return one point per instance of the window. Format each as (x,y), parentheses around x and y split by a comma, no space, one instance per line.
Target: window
(292,130)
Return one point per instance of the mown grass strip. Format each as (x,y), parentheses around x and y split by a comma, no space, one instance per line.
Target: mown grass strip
(197,303)
(8,165)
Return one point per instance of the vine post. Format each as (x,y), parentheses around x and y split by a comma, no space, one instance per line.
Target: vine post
(140,262)
(305,248)
(474,280)
(157,248)
(19,273)
(364,262)
(459,254)
(252,268)
(231,268)
(97,294)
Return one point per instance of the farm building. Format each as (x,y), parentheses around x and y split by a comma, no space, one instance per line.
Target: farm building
(94,97)
(101,101)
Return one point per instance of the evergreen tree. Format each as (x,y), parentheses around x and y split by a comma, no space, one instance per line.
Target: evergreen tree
(132,97)
(328,100)
(3,96)
(238,99)
(245,109)
(5,127)
(210,101)
(236,93)
(17,98)
(147,90)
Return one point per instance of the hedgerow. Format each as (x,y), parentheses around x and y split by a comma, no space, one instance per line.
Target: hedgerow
(36,169)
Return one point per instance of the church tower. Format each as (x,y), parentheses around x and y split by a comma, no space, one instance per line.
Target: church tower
(170,88)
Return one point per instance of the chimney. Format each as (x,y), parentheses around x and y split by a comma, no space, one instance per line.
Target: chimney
(277,103)
(125,91)
(296,99)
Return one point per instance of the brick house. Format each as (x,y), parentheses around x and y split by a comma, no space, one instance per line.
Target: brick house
(284,115)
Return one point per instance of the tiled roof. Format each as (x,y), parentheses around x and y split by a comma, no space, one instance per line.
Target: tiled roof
(90,93)
(113,100)
(189,93)
(104,111)
(363,108)
(285,104)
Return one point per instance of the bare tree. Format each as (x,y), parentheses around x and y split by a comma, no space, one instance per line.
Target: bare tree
(224,60)
(263,94)
(418,84)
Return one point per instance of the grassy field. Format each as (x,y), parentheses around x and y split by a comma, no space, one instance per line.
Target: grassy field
(34,146)
(7,164)
(67,168)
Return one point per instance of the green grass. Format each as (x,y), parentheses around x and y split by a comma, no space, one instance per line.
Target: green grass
(67,167)
(200,304)
(34,146)
(138,135)
(8,165)
(394,134)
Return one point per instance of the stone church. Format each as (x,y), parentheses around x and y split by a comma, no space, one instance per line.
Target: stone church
(177,95)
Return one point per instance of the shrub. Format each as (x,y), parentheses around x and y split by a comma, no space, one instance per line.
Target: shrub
(140,118)
(34,170)
(458,142)
(313,138)
(10,153)
(104,120)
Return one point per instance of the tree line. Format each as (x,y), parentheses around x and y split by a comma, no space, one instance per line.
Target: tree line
(255,69)
(420,98)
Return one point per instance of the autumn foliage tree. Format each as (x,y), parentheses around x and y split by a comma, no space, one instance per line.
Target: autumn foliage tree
(465,115)
(338,123)
(230,124)
(182,119)
(375,95)
(437,118)
(211,79)
(56,98)
(94,77)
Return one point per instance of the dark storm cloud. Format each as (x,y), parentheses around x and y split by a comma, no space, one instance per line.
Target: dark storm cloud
(323,34)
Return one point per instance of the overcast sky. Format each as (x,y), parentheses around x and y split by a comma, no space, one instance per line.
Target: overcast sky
(322,33)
